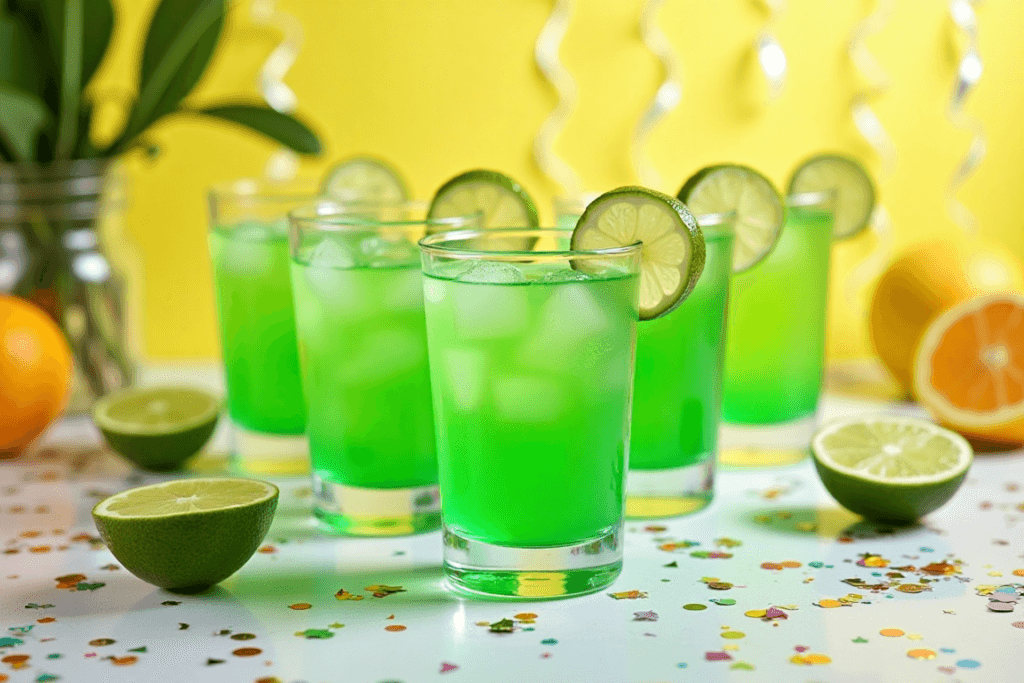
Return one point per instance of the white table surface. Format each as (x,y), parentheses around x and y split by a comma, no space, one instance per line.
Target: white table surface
(778,515)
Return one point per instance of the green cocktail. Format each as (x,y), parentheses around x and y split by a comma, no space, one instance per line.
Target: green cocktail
(678,393)
(249,250)
(531,359)
(363,347)
(775,341)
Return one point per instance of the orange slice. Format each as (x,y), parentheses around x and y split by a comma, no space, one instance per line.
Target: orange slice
(969,368)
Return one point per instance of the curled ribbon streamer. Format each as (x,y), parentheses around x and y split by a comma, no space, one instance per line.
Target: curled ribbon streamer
(283,163)
(666,98)
(545,54)
(770,54)
(871,129)
(967,76)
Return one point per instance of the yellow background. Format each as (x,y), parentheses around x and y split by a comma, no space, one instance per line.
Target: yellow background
(441,86)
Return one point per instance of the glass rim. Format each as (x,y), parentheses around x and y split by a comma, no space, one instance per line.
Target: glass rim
(822,199)
(333,215)
(435,244)
(266,191)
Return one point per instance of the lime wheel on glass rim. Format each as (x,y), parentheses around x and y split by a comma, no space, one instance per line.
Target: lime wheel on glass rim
(365,179)
(743,198)
(672,251)
(496,199)
(845,184)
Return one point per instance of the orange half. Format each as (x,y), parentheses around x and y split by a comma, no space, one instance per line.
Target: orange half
(969,368)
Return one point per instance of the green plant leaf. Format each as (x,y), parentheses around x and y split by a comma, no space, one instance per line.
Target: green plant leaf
(24,115)
(181,40)
(286,129)
(20,62)
(70,76)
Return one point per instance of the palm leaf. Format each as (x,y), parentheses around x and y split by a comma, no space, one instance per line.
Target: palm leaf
(281,127)
(23,116)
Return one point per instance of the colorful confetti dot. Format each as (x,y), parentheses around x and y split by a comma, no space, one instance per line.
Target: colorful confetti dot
(921,654)
(968,664)
(525,616)
(756,613)
(628,595)
(101,642)
(1018,624)
(694,606)
(300,606)
(717,656)
(243,636)
(124,661)
(828,603)
(549,641)
(858,639)
(247,652)
(724,602)
(447,666)
(394,628)
(733,635)
(891,632)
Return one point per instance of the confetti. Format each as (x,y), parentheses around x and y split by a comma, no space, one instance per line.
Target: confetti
(11,642)
(211,661)
(83,586)
(694,607)
(645,616)
(170,602)
(673,564)
(123,661)
(872,560)
(549,641)
(733,635)
(503,626)
(1000,606)
(247,652)
(655,528)
(1018,624)
(42,678)
(717,656)
(811,659)
(16,661)
(300,606)
(33,605)
(447,666)
(677,545)
(921,654)
(628,595)
(182,626)
(525,616)
(858,639)
(968,664)
(828,603)
(755,613)
(912,588)
(724,602)
(743,666)
(710,555)
(101,642)
(719,585)
(891,632)
(382,591)
(315,633)
(243,636)
(343,594)
(142,649)
(394,628)
(727,542)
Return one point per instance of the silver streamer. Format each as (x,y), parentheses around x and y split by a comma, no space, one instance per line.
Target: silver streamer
(870,127)
(769,52)
(666,98)
(283,163)
(545,54)
(967,76)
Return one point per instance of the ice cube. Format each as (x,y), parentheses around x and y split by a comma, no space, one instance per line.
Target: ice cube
(384,355)
(433,290)
(343,292)
(492,273)
(245,250)
(379,252)
(491,312)
(465,372)
(332,252)
(528,399)
(571,319)
(566,275)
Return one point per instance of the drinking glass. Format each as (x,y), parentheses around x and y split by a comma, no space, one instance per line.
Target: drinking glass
(363,348)
(775,342)
(249,249)
(531,360)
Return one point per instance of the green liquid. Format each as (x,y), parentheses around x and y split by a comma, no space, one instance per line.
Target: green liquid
(257,327)
(775,343)
(532,386)
(677,397)
(363,344)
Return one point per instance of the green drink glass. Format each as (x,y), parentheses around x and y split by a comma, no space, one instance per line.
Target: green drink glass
(775,342)
(677,396)
(363,349)
(531,359)
(249,249)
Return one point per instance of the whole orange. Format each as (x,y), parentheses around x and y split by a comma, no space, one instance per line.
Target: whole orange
(35,373)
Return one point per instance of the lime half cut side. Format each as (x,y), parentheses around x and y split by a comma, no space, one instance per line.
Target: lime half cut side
(157,428)
(672,252)
(843,180)
(365,179)
(890,468)
(751,200)
(186,535)
(499,201)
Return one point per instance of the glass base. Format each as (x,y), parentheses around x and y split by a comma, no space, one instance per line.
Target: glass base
(770,445)
(376,512)
(479,569)
(670,492)
(268,454)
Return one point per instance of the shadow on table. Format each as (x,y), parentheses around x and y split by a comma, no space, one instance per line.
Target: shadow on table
(822,522)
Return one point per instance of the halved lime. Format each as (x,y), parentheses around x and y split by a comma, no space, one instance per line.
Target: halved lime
(189,534)
(365,179)
(890,468)
(755,205)
(501,201)
(672,256)
(848,183)
(158,428)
